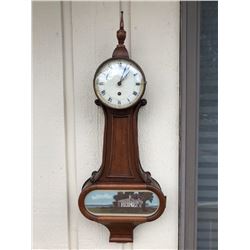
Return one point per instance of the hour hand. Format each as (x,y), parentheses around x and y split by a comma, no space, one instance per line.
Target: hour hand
(120,82)
(125,76)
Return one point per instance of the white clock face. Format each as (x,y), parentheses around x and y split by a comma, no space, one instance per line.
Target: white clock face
(119,83)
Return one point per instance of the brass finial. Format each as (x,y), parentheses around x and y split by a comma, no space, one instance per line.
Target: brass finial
(120,51)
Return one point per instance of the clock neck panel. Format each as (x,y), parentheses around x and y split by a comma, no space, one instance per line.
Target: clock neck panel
(120,146)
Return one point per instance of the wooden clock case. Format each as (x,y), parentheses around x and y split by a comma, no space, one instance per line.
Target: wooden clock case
(121,168)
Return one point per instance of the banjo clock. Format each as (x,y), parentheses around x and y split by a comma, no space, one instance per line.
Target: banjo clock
(121,195)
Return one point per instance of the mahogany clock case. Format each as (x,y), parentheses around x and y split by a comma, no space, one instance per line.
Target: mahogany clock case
(121,170)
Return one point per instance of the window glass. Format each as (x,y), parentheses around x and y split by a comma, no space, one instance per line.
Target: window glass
(207,226)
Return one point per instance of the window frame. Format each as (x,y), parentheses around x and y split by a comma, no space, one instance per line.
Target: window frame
(189,123)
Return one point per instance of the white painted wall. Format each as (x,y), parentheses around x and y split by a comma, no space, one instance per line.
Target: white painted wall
(50,226)
(89,30)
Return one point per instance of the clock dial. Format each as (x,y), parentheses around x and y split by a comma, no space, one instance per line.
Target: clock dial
(119,83)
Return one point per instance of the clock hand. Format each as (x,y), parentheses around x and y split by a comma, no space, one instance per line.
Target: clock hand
(120,82)
(125,76)
(123,73)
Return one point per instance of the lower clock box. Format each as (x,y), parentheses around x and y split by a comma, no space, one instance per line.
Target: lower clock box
(121,207)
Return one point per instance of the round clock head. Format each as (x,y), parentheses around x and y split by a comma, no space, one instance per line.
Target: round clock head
(119,83)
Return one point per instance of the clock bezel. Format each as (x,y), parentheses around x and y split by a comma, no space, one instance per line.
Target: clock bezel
(124,59)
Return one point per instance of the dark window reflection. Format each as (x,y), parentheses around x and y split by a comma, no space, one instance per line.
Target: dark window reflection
(207,234)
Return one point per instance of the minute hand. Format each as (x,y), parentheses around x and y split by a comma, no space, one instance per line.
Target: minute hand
(124,70)
(125,76)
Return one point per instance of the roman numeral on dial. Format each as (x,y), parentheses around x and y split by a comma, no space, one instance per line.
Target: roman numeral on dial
(110,99)
(103,92)
(135,93)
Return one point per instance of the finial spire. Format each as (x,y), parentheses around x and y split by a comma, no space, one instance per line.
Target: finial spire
(121,51)
(121,21)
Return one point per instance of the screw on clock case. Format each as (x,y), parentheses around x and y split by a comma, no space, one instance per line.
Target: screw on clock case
(133,196)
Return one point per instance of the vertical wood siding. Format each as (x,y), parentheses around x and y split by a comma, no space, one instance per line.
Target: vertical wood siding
(50,214)
(153,41)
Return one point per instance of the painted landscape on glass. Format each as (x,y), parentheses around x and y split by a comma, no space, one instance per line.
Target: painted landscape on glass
(126,202)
